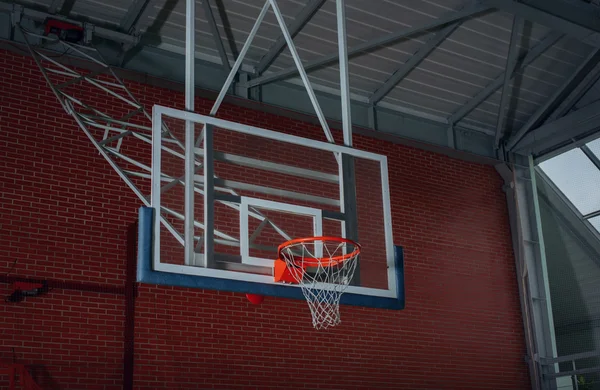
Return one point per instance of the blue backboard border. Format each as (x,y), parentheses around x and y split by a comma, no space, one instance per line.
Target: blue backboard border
(146,274)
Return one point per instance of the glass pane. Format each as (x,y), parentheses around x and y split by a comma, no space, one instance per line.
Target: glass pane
(595,147)
(575,175)
(595,222)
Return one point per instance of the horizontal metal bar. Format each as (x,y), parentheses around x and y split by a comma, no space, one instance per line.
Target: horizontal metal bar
(269,134)
(573,372)
(336,215)
(271,166)
(197,224)
(239,267)
(372,44)
(228,197)
(271,191)
(108,119)
(592,215)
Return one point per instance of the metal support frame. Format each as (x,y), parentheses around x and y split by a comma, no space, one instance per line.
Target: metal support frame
(522,63)
(190,85)
(590,79)
(569,86)
(412,63)
(571,130)
(372,44)
(531,259)
(225,185)
(297,25)
(511,64)
(536,13)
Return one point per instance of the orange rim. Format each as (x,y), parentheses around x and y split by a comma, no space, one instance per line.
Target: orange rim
(323,261)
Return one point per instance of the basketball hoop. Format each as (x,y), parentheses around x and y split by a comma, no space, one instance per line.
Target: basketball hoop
(323,267)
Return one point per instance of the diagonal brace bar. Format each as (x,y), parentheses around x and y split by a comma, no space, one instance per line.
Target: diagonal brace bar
(298,24)
(412,63)
(534,53)
(372,44)
(511,64)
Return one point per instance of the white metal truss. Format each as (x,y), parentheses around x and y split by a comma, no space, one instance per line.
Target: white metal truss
(111,135)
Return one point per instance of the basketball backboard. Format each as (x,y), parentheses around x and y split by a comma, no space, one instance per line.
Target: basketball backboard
(268,187)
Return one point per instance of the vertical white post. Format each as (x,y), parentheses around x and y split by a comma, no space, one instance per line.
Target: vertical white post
(190,53)
(346,163)
(156,183)
(209,188)
(344,79)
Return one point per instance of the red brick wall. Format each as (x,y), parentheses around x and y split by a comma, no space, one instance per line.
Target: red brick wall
(64,215)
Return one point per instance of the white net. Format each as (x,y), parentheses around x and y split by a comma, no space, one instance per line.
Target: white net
(329,266)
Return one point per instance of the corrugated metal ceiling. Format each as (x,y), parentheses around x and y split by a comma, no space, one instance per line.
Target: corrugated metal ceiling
(460,67)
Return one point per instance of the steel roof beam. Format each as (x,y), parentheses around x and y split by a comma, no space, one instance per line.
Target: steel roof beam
(539,13)
(412,63)
(212,24)
(372,44)
(298,24)
(511,64)
(570,85)
(531,55)
(567,104)
(568,129)
(133,14)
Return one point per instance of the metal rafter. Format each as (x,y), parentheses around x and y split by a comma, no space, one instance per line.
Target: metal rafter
(538,15)
(511,64)
(570,129)
(212,24)
(567,88)
(298,24)
(412,63)
(372,44)
(133,14)
(531,55)
(567,104)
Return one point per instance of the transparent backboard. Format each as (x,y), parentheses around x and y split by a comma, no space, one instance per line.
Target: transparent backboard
(267,188)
